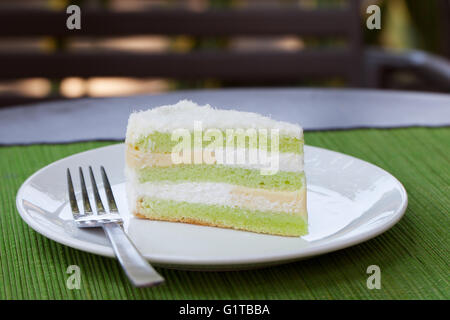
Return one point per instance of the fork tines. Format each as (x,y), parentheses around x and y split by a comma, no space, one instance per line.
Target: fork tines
(87,218)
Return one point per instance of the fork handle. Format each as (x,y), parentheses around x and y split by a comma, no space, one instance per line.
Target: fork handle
(138,270)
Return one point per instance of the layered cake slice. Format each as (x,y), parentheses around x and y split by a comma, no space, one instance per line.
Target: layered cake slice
(222,168)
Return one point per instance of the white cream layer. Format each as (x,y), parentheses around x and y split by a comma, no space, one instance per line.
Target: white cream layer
(291,162)
(214,194)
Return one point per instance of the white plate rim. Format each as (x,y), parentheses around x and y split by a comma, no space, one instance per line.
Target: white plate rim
(272,259)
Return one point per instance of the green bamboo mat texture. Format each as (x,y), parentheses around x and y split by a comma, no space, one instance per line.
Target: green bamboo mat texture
(413,255)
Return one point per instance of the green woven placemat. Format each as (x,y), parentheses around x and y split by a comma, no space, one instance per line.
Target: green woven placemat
(413,255)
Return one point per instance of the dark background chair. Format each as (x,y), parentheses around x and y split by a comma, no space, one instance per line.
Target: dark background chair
(345,59)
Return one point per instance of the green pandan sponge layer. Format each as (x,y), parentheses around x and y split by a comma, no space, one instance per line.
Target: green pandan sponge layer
(223,216)
(162,142)
(252,178)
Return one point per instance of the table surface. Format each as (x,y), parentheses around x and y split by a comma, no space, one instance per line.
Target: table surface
(413,256)
(314,109)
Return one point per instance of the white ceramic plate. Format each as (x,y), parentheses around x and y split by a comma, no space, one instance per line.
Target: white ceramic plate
(349,201)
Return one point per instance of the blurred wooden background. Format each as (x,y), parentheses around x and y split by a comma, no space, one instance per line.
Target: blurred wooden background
(137,46)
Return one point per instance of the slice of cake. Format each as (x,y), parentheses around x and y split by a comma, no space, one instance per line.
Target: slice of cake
(212,167)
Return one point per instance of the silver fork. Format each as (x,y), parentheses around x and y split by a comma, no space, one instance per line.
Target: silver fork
(138,270)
